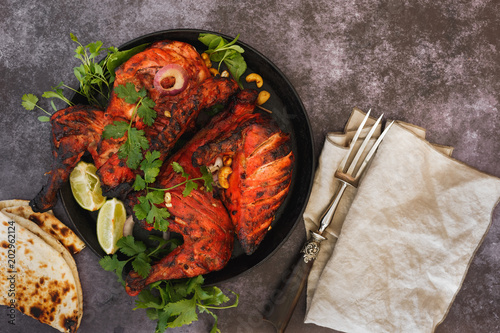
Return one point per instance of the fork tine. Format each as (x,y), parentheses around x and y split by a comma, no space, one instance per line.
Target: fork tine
(374,148)
(353,141)
(362,148)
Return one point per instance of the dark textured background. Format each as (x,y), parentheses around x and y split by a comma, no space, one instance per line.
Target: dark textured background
(432,63)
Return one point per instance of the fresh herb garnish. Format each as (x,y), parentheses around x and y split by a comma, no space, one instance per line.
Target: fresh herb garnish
(220,50)
(139,255)
(171,303)
(146,208)
(95,77)
(174,304)
(131,150)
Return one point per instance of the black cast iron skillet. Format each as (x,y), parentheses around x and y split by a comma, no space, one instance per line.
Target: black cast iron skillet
(287,109)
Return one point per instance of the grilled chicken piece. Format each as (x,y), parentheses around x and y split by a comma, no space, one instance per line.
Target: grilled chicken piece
(262,166)
(75,130)
(175,113)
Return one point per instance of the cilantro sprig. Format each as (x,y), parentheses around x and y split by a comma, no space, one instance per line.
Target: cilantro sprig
(171,303)
(131,150)
(222,51)
(146,209)
(94,77)
(174,304)
(139,255)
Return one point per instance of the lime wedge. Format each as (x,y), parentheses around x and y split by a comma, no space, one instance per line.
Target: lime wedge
(86,186)
(110,221)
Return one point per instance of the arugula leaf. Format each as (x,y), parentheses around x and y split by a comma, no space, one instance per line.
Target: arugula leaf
(220,50)
(116,58)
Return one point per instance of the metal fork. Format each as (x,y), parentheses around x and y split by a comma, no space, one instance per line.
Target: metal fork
(280,310)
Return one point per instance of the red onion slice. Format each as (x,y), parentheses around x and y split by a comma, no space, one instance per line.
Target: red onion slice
(176,74)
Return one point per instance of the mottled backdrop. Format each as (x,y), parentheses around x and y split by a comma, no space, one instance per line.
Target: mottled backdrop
(432,63)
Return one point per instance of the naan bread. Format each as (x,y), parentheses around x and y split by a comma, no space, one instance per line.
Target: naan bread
(47,221)
(41,272)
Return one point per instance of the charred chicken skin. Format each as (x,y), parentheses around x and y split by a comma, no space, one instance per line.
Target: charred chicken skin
(75,130)
(175,113)
(262,164)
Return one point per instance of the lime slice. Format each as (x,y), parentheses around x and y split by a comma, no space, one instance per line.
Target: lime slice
(110,221)
(86,186)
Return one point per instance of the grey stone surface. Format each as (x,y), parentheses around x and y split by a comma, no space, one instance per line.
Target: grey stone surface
(432,63)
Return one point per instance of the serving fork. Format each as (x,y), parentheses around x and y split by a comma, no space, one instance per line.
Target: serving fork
(348,173)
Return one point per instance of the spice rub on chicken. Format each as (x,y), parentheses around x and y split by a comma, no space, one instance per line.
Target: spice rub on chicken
(259,157)
(176,79)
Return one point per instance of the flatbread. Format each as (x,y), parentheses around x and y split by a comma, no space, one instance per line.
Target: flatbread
(39,278)
(47,221)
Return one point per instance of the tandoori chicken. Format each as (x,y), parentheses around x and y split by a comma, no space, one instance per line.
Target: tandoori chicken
(260,156)
(175,112)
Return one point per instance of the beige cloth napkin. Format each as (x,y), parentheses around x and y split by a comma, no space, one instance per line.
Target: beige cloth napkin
(406,236)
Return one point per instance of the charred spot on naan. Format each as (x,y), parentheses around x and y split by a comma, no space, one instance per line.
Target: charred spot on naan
(47,222)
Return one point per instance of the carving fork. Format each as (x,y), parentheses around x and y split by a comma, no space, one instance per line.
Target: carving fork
(281,308)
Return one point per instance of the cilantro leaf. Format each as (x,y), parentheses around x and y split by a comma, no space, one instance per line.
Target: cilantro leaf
(141,264)
(111,264)
(207,178)
(139,183)
(146,111)
(151,166)
(142,209)
(130,247)
(127,92)
(29,101)
(190,185)
(115,130)
(131,150)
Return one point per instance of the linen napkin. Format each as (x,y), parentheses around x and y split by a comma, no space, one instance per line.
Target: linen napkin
(406,236)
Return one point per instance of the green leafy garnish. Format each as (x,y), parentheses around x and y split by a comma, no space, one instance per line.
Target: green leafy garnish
(131,150)
(174,304)
(94,77)
(146,208)
(222,51)
(139,255)
(171,303)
